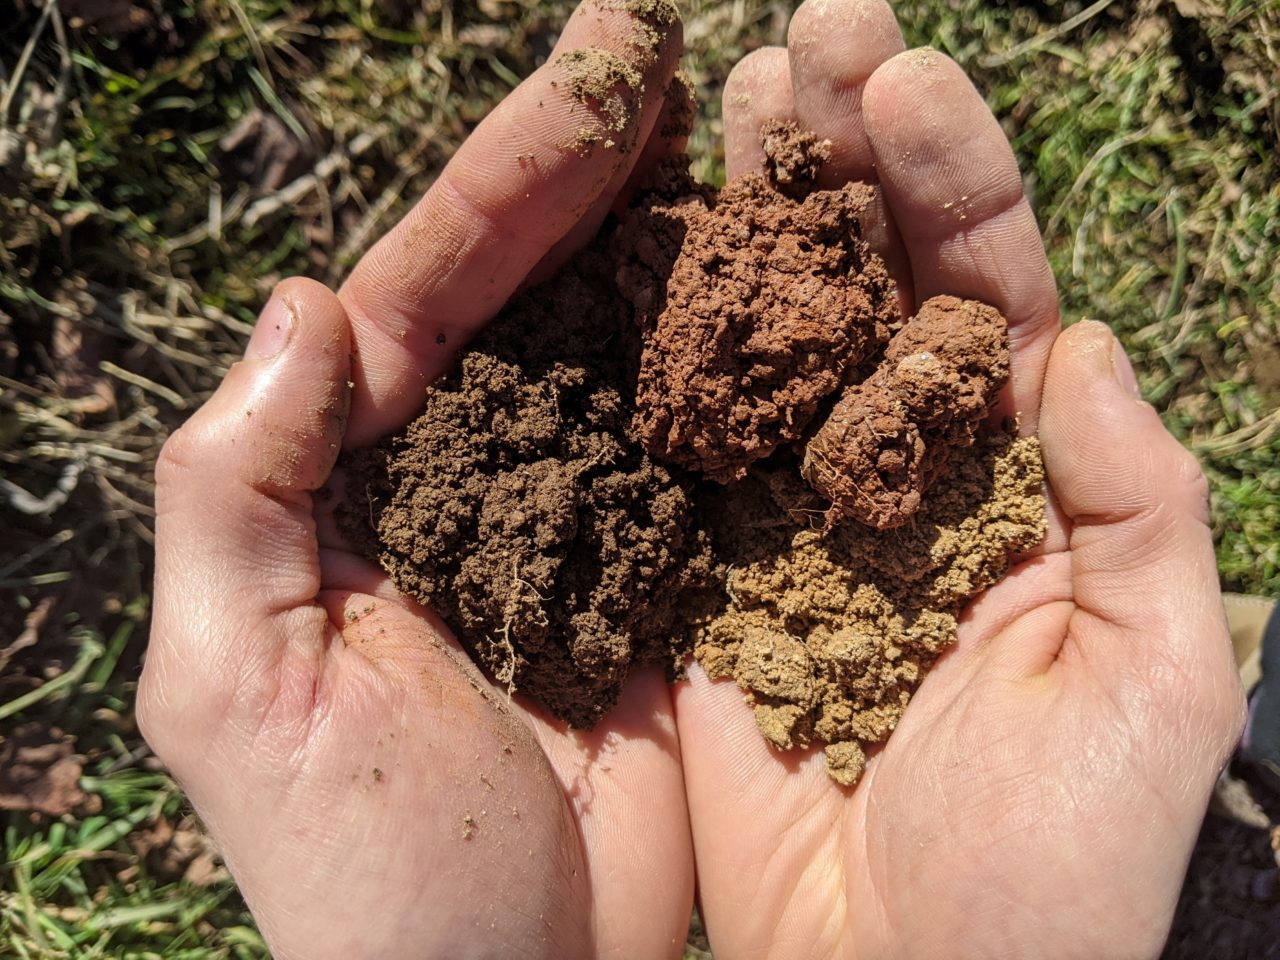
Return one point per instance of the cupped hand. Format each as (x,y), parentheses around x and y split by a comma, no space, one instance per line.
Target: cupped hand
(373,795)
(1043,792)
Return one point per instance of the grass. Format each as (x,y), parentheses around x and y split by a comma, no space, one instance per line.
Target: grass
(137,243)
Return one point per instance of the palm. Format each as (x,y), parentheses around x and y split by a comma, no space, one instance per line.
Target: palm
(1035,770)
(562,809)
(1050,734)
(1009,760)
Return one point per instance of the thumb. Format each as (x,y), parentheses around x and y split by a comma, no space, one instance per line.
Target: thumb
(1148,611)
(237,567)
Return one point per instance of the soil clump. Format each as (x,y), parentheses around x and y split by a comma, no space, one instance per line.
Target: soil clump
(755,306)
(889,437)
(520,507)
(615,472)
(830,631)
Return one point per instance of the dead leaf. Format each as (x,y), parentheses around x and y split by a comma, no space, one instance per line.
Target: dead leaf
(109,16)
(179,851)
(39,771)
(486,37)
(1199,9)
(1233,800)
(77,350)
(30,634)
(265,152)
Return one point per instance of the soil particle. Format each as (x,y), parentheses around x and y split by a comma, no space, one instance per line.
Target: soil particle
(1228,909)
(889,437)
(792,158)
(611,87)
(662,12)
(755,307)
(830,632)
(653,22)
(520,507)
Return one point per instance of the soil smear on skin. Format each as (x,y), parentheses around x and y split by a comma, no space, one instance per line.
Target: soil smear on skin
(712,432)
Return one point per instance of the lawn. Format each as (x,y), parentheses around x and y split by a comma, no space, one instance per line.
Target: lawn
(159,172)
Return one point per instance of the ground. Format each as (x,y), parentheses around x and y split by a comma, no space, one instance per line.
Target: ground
(159,171)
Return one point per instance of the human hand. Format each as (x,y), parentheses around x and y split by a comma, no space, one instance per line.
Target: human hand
(372,793)
(1043,791)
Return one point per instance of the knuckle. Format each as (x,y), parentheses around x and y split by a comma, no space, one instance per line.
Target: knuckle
(177,457)
(1182,479)
(151,710)
(1190,477)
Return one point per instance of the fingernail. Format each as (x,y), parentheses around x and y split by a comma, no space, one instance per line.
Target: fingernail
(272,331)
(1123,370)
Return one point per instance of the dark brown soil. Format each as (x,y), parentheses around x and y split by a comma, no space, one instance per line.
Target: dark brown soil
(550,504)
(520,507)
(1230,903)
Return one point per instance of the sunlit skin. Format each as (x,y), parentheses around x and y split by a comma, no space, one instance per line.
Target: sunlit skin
(376,796)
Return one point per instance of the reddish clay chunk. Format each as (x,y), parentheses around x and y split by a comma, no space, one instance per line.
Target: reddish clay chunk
(755,306)
(889,437)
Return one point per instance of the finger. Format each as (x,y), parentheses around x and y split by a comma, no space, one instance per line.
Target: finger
(737,784)
(236,565)
(536,165)
(953,188)
(621,779)
(758,89)
(667,136)
(1144,578)
(833,48)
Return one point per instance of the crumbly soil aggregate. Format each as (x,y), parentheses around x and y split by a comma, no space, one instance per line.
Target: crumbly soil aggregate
(521,509)
(615,472)
(830,631)
(890,436)
(792,157)
(755,307)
